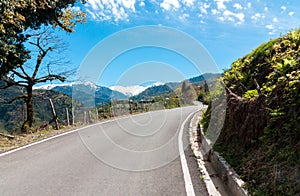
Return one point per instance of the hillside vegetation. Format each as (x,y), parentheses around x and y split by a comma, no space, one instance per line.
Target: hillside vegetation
(261,134)
(13,114)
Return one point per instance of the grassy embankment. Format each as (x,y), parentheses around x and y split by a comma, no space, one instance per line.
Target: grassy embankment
(261,135)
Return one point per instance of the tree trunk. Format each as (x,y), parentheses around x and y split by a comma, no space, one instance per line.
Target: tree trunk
(29,110)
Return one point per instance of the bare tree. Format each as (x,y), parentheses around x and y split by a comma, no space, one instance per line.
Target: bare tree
(45,48)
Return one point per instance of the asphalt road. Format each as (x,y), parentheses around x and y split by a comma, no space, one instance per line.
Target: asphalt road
(133,155)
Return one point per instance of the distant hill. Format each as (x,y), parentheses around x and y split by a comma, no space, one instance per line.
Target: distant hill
(167,88)
(199,80)
(12,115)
(154,91)
(84,93)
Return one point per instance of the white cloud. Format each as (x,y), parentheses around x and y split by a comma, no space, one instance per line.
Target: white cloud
(203,8)
(221,18)
(283,8)
(142,4)
(129,4)
(249,5)
(238,6)
(184,16)
(257,16)
(266,9)
(169,4)
(240,16)
(291,13)
(270,27)
(221,10)
(94,17)
(221,5)
(104,10)
(230,16)
(95,4)
(188,3)
(214,11)
(272,32)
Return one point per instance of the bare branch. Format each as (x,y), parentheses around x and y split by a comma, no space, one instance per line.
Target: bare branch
(39,61)
(19,75)
(37,44)
(16,98)
(61,25)
(9,83)
(257,87)
(230,93)
(24,72)
(49,77)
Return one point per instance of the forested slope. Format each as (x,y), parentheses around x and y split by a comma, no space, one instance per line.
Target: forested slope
(12,115)
(261,134)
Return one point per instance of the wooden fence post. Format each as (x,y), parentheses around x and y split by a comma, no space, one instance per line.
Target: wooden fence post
(54,114)
(73,116)
(84,117)
(68,120)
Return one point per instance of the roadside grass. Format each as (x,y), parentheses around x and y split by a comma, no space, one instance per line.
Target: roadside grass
(23,139)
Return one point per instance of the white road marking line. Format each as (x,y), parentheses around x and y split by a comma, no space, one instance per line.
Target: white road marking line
(189,188)
(50,138)
(69,132)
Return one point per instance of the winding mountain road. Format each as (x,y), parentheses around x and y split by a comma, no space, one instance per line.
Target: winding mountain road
(132,155)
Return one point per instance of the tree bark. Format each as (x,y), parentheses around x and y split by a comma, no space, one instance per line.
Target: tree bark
(29,109)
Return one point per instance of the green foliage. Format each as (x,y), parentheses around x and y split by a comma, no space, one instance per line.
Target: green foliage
(204,97)
(265,150)
(12,115)
(240,78)
(17,16)
(206,118)
(250,94)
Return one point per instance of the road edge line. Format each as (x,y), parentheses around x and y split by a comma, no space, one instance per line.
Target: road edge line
(50,138)
(189,188)
(68,132)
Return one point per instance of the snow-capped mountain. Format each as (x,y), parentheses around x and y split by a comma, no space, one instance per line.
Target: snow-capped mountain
(133,90)
(129,90)
(84,92)
(50,86)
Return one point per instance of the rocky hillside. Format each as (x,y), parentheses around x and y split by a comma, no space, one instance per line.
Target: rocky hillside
(261,135)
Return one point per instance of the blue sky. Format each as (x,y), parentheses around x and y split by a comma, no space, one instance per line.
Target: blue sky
(228,29)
